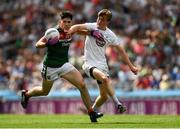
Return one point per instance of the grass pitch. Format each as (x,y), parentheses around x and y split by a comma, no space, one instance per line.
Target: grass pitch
(82,121)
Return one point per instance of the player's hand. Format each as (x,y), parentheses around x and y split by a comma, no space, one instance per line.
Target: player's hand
(68,34)
(134,69)
(96,34)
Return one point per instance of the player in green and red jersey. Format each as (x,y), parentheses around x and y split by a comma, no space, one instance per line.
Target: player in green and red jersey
(56,65)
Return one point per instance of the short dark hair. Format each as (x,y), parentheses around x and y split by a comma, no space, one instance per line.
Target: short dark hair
(106,12)
(66,14)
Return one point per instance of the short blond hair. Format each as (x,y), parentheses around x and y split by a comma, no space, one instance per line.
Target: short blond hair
(106,12)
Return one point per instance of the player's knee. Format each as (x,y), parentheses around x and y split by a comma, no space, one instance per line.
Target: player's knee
(105,80)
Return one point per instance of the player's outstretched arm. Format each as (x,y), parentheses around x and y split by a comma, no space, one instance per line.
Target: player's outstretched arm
(83,30)
(125,57)
(41,43)
(79,29)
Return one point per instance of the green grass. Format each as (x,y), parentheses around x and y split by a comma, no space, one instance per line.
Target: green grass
(82,121)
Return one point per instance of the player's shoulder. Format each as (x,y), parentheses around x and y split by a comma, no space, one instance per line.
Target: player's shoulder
(110,32)
(59,29)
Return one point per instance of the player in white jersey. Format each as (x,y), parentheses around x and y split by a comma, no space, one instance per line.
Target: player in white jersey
(95,49)
(99,36)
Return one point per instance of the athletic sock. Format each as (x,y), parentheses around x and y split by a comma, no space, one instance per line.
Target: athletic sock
(90,110)
(94,108)
(115,100)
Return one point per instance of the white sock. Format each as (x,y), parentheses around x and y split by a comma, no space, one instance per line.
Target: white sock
(115,100)
(94,107)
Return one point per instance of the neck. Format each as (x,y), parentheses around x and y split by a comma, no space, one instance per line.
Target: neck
(65,30)
(101,27)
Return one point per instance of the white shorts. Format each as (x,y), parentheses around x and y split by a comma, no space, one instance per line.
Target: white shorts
(86,67)
(53,74)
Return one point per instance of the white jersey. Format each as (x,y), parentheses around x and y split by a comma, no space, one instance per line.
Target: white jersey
(95,50)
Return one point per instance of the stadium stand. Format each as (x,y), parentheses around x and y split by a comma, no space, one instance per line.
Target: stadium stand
(148,29)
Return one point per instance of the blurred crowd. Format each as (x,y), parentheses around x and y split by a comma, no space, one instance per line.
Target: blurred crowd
(149,30)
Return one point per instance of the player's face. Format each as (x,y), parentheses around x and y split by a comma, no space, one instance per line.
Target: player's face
(102,21)
(65,24)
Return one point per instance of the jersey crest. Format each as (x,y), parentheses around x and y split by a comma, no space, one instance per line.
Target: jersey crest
(100,43)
